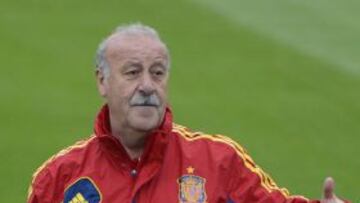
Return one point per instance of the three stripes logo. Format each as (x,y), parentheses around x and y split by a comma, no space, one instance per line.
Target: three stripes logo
(78,199)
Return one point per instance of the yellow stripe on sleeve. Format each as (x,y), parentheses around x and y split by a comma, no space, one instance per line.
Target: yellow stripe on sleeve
(266,181)
(77,145)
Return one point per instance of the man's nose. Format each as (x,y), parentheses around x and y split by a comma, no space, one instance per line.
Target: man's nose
(146,85)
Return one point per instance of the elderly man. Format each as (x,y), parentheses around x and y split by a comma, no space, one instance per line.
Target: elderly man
(137,154)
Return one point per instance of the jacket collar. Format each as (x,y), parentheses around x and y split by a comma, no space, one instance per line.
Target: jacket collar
(154,147)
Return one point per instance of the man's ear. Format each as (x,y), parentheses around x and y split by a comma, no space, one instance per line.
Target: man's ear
(101,82)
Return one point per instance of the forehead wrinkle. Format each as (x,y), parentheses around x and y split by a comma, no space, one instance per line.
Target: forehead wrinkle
(137,56)
(139,47)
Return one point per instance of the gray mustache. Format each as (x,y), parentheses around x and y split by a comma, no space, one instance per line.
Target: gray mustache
(145,100)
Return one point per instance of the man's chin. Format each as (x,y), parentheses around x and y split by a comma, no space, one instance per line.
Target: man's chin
(144,125)
(145,118)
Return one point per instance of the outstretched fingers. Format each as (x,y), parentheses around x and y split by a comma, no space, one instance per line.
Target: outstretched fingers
(329,186)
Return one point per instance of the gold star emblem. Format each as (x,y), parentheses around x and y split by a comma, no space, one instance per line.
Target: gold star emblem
(190,169)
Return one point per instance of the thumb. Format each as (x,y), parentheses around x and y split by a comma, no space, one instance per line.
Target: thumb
(329,186)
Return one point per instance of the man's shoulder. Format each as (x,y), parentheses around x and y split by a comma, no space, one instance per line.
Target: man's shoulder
(69,156)
(217,142)
(54,173)
(191,135)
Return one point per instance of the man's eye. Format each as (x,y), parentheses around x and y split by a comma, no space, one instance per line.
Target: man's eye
(159,73)
(132,72)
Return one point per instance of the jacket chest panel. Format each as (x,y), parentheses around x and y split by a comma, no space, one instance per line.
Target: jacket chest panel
(169,182)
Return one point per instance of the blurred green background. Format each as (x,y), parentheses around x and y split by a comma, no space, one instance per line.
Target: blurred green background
(281,77)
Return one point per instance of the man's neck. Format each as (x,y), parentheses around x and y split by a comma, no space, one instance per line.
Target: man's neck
(132,141)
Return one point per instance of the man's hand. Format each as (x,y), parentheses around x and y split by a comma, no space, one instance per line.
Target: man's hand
(329,196)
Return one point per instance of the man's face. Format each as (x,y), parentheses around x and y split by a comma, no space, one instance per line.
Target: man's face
(136,88)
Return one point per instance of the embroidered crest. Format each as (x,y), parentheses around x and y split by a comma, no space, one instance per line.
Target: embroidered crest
(83,190)
(192,188)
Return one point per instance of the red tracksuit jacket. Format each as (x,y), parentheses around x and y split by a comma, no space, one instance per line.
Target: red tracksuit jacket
(177,166)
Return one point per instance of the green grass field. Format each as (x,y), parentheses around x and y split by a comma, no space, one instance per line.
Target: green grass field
(281,77)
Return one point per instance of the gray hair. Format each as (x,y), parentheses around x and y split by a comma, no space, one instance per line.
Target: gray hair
(135,29)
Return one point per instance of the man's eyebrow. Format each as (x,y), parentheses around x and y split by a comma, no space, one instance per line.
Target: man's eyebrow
(158,64)
(131,64)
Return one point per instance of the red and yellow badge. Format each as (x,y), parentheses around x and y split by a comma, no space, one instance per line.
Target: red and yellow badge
(192,188)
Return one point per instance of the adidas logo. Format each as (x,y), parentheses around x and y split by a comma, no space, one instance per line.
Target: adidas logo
(78,199)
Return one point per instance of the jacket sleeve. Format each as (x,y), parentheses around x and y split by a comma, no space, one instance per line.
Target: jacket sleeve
(249,183)
(43,188)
